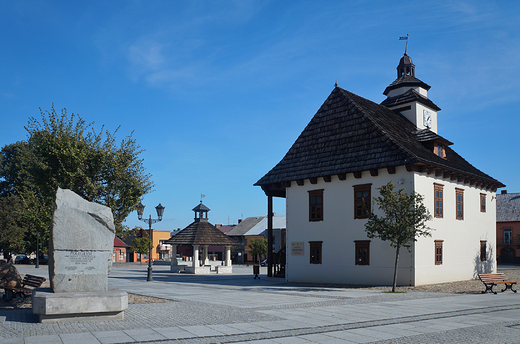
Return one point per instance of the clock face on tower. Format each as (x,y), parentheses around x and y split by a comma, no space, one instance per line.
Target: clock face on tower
(427,119)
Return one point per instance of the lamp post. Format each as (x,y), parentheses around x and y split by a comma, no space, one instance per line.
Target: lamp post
(37,250)
(140,211)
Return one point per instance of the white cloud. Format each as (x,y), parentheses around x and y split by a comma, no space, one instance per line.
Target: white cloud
(148,54)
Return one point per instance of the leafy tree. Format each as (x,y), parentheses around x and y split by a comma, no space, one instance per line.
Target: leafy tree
(12,225)
(141,246)
(64,151)
(258,247)
(404,220)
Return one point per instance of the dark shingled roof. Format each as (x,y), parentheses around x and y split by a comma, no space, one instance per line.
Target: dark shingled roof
(426,135)
(352,134)
(201,207)
(508,207)
(201,233)
(406,80)
(409,96)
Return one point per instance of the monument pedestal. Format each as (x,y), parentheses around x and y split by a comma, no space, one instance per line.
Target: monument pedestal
(79,306)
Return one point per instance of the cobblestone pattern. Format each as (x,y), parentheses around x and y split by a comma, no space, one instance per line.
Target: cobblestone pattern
(383,297)
(21,322)
(492,334)
(508,332)
(461,287)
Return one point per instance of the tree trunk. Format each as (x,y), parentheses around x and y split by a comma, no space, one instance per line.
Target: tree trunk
(395,268)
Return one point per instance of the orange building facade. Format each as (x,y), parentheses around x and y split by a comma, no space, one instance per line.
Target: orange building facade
(160,251)
(508,228)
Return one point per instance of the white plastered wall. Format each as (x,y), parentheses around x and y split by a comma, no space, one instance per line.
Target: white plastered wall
(461,238)
(416,115)
(338,231)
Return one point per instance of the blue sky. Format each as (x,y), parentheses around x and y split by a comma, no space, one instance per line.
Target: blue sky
(216,92)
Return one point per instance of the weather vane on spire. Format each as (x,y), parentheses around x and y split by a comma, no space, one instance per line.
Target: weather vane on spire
(405,39)
(201,197)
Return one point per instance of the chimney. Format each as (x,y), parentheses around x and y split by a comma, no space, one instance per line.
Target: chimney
(239,220)
(504,192)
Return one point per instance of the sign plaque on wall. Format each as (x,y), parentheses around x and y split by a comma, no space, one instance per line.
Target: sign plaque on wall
(297,248)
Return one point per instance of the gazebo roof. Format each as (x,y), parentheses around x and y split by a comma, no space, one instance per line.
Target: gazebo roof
(201,207)
(201,233)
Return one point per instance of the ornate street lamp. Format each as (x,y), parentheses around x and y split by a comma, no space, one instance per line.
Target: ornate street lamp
(140,211)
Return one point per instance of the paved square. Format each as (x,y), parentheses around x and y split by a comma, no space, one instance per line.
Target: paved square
(237,308)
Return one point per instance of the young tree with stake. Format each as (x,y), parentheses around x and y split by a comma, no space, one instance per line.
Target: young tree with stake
(404,220)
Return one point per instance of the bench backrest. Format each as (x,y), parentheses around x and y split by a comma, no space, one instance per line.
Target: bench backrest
(33,281)
(499,277)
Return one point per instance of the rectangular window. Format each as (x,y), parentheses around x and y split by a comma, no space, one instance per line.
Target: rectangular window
(362,252)
(316,205)
(459,195)
(482,203)
(315,252)
(439,151)
(508,236)
(483,256)
(362,200)
(438,191)
(438,252)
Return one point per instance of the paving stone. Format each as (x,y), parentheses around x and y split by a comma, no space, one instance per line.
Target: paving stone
(144,334)
(199,315)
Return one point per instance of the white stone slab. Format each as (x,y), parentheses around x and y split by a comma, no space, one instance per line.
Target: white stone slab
(80,244)
(53,307)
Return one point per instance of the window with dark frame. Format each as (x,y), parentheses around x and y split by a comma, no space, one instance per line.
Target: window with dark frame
(438,252)
(482,203)
(316,205)
(483,256)
(459,196)
(508,236)
(362,252)
(362,199)
(315,252)
(438,192)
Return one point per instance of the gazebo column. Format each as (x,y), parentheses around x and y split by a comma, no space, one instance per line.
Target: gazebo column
(174,265)
(195,256)
(205,255)
(173,261)
(228,256)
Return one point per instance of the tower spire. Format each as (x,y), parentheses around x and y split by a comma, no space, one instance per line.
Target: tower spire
(406,45)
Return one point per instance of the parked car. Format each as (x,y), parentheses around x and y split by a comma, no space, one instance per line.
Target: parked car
(44,259)
(19,257)
(263,262)
(26,260)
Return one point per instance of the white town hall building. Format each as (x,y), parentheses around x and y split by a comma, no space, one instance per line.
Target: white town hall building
(351,147)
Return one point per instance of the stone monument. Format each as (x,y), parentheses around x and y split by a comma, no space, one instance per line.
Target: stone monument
(80,258)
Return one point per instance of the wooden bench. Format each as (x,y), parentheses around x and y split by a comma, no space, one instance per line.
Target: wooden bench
(23,291)
(491,280)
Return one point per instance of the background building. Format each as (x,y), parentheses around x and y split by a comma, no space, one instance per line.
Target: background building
(508,228)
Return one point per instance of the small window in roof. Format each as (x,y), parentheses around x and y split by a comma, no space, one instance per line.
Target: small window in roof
(439,150)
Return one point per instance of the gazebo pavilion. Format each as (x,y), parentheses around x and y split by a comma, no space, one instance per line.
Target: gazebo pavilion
(201,233)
